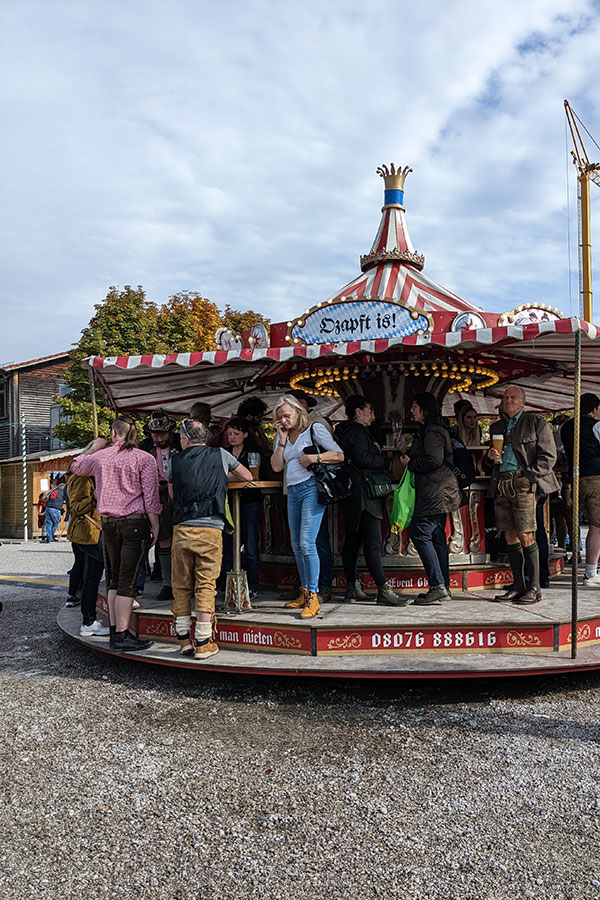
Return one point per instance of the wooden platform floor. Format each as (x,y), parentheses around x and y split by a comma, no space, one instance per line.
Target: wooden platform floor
(535,635)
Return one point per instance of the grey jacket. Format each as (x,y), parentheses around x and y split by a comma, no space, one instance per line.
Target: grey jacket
(535,451)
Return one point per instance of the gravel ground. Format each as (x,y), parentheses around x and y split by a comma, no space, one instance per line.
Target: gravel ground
(122,780)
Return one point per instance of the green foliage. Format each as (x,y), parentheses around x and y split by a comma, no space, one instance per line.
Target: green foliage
(238,321)
(126,323)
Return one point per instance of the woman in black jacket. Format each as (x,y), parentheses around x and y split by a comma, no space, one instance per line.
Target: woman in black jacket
(362,513)
(436,494)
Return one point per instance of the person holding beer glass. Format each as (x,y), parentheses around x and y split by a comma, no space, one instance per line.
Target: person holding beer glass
(523,454)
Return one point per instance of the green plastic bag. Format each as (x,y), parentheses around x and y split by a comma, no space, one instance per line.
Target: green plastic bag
(403,505)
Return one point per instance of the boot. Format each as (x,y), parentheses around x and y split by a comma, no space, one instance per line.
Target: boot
(299,601)
(111,640)
(435,594)
(387,597)
(186,645)
(355,592)
(311,607)
(125,642)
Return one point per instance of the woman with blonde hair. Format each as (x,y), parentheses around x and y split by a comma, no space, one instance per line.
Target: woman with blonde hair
(305,513)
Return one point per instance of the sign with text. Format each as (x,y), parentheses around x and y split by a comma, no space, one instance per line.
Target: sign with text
(358,320)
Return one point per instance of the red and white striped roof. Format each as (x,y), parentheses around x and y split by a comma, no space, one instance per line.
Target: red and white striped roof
(392,267)
(400,281)
(175,381)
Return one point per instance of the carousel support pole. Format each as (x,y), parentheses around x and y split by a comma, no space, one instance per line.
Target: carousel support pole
(24,467)
(575,488)
(93,398)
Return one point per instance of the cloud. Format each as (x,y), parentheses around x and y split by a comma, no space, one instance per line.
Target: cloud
(230,148)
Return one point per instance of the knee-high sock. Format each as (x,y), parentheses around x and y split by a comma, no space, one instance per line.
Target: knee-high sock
(532,566)
(517,564)
(165,564)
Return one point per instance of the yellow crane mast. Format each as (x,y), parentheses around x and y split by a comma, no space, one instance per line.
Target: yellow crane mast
(586,171)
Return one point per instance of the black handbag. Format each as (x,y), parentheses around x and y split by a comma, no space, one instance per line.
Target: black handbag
(333,479)
(378,485)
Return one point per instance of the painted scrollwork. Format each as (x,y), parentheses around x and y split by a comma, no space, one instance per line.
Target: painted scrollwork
(520,639)
(346,642)
(457,541)
(584,633)
(474,504)
(286,641)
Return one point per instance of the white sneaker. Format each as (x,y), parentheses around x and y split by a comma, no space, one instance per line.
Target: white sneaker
(135,605)
(96,629)
(592,582)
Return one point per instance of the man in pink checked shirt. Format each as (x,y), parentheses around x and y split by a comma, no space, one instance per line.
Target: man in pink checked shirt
(127,500)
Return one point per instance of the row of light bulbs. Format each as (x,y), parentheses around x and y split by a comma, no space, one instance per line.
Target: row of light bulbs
(323,380)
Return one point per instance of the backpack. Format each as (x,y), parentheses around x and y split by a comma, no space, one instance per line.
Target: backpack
(463,466)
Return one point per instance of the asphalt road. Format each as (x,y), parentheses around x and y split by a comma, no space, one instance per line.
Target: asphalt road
(123,780)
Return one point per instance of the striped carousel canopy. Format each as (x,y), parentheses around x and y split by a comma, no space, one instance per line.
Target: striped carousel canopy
(222,378)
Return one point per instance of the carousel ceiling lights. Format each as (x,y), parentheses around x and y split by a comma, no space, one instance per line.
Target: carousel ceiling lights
(465,375)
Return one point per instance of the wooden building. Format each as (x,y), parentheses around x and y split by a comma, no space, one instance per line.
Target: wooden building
(28,389)
(40,469)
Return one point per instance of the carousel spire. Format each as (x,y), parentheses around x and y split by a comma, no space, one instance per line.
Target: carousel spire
(392,241)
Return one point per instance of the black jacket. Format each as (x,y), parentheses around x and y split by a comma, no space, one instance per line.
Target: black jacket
(436,485)
(362,456)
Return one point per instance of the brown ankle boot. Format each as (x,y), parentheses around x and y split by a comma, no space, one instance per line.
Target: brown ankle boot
(299,601)
(311,607)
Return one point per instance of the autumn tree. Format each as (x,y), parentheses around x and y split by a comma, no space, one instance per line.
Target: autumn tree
(188,322)
(127,323)
(124,323)
(238,321)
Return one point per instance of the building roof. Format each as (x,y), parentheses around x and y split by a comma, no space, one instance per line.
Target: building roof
(54,357)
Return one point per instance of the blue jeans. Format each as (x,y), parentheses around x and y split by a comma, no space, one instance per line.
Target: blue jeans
(305,514)
(429,537)
(52,520)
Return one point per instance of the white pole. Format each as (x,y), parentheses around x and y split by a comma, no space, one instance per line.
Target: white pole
(24,459)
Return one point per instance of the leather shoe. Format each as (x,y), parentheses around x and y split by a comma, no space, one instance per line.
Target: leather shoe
(508,596)
(533,595)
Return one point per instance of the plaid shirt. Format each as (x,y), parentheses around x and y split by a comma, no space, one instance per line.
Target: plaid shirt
(126,481)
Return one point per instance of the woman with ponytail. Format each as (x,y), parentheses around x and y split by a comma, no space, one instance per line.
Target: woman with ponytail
(128,503)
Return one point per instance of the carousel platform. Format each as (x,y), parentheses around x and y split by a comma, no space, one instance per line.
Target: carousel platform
(467,637)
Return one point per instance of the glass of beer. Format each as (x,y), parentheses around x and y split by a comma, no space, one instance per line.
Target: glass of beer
(498,442)
(254,465)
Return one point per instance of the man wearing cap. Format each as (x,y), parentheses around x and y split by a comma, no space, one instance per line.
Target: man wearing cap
(524,467)
(589,480)
(162,443)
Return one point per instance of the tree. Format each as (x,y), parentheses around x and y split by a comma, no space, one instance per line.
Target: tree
(127,323)
(238,321)
(188,322)
(124,323)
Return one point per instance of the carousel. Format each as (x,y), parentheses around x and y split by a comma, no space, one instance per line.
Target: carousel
(389,333)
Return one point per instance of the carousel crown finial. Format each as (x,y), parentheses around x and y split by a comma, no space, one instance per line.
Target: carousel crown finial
(394,183)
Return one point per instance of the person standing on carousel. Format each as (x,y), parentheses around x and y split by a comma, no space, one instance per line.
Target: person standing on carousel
(363,514)
(127,500)
(524,467)
(437,493)
(162,443)
(198,486)
(589,481)
(305,513)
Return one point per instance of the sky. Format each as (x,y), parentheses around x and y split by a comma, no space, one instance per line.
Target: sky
(230,148)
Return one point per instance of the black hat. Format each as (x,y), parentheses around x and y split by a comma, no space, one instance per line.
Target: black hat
(160,421)
(300,395)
